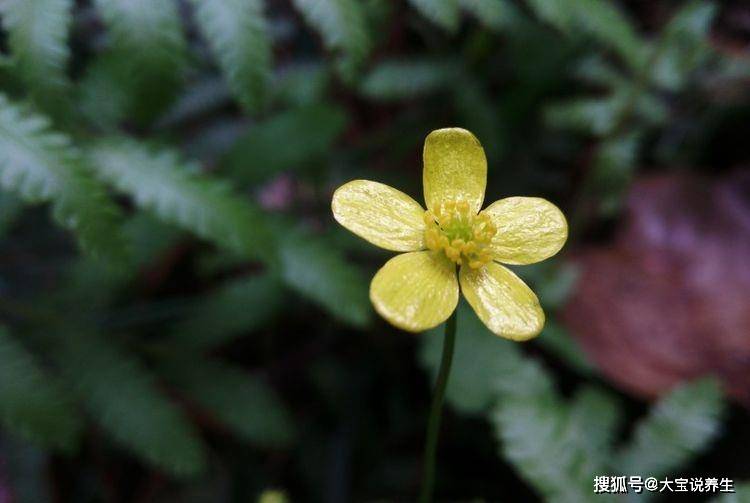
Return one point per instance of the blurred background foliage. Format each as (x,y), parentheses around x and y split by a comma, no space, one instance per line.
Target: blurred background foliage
(182,320)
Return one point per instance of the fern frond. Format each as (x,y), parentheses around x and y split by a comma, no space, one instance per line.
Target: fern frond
(31,402)
(598,19)
(677,428)
(237,32)
(243,402)
(38,40)
(495,14)
(41,165)
(290,140)
(148,49)
(121,395)
(341,24)
(444,13)
(407,79)
(158,180)
(312,266)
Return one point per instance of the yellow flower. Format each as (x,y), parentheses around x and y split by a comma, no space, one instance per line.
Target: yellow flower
(419,289)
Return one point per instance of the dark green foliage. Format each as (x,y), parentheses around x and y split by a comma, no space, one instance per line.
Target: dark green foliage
(237,32)
(243,402)
(41,165)
(677,427)
(32,403)
(267,148)
(38,40)
(241,305)
(123,398)
(145,56)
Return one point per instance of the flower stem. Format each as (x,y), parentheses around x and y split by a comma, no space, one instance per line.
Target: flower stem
(433,424)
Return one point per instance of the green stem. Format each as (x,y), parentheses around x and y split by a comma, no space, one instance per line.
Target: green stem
(433,424)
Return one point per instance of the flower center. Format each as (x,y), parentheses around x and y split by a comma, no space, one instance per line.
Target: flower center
(459,233)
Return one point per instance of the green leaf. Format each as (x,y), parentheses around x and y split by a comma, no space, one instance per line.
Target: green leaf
(341,24)
(148,51)
(302,84)
(238,306)
(596,116)
(38,38)
(480,359)
(538,437)
(677,428)
(201,97)
(121,395)
(241,401)
(406,79)
(31,403)
(176,192)
(498,15)
(237,32)
(557,447)
(41,165)
(443,13)
(601,20)
(605,22)
(289,140)
(613,169)
(312,266)
(684,44)
(102,96)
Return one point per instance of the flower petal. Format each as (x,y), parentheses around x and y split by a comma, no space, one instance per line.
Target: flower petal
(454,168)
(382,215)
(529,229)
(502,301)
(415,291)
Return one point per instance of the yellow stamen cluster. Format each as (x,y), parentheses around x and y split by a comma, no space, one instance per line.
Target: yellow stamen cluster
(454,229)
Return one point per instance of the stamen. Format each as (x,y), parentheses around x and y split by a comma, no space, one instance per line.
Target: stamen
(464,237)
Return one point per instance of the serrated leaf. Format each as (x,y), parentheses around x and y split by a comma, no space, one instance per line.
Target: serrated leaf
(684,44)
(32,403)
(199,98)
(677,428)
(312,266)
(241,401)
(289,140)
(536,436)
(407,79)
(41,165)
(341,24)
(237,32)
(557,447)
(121,395)
(238,306)
(496,15)
(147,49)
(444,13)
(176,192)
(38,40)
